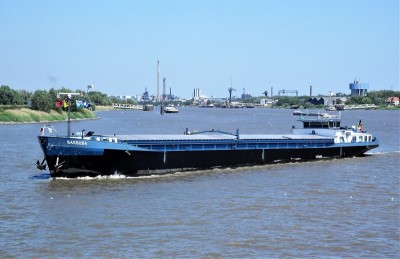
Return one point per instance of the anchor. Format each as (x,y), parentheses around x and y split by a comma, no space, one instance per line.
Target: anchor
(41,166)
(57,166)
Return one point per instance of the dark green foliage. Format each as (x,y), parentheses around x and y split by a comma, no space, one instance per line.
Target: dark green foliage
(373,97)
(42,101)
(53,94)
(379,97)
(9,96)
(99,98)
(115,100)
(25,96)
(291,101)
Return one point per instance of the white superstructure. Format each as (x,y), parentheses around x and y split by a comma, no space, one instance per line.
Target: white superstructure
(329,126)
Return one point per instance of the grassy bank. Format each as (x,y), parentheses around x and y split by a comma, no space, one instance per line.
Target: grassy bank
(23,115)
(104,108)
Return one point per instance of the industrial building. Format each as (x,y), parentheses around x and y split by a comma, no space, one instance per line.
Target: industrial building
(358,89)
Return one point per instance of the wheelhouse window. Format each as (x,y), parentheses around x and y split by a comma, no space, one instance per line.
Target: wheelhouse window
(321,124)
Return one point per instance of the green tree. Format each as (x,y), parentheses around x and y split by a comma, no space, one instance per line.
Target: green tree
(379,97)
(42,101)
(308,105)
(99,98)
(366,100)
(287,101)
(25,96)
(9,96)
(64,90)
(131,101)
(115,100)
(53,94)
(354,100)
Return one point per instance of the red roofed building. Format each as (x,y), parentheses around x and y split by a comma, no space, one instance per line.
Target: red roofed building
(392,101)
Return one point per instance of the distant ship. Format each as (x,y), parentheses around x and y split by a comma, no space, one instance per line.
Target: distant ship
(171,109)
(92,155)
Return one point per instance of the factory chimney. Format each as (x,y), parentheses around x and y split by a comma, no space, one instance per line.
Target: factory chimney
(310,91)
(164,89)
(158,81)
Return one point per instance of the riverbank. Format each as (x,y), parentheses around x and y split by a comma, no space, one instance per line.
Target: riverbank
(25,115)
(104,108)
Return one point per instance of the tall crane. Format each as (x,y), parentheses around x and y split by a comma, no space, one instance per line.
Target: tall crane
(283,92)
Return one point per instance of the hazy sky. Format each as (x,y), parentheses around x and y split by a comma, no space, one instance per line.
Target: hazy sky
(115,45)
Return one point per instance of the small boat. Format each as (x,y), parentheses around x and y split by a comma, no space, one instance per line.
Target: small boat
(171,109)
(207,106)
(92,155)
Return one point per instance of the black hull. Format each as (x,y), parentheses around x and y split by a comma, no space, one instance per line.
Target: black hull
(142,162)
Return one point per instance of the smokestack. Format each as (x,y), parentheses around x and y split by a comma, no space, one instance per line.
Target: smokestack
(310,90)
(272,92)
(164,88)
(158,81)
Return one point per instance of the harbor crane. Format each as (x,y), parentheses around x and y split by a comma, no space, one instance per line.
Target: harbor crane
(283,92)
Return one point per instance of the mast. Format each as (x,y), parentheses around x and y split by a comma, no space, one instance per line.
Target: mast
(69,97)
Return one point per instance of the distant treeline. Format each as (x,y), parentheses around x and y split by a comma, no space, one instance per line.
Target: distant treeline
(374,97)
(43,100)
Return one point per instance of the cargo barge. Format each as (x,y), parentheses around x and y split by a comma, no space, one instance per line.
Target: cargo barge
(92,155)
